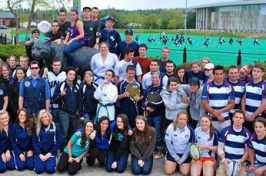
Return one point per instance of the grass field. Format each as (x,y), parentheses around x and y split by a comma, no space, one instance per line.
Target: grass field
(225,54)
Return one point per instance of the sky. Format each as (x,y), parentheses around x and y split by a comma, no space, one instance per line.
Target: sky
(146,4)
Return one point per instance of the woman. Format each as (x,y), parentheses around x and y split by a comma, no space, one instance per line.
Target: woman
(13,93)
(206,138)
(195,72)
(204,61)
(101,142)
(21,141)
(47,139)
(5,72)
(178,137)
(87,103)
(75,38)
(142,145)
(101,62)
(173,101)
(6,159)
(180,74)
(257,148)
(118,151)
(155,111)
(208,71)
(77,147)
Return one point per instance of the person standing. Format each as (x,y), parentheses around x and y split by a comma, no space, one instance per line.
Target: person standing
(128,43)
(110,35)
(164,59)
(34,92)
(254,98)
(142,59)
(218,97)
(66,94)
(107,95)
(63,23)
(94,17)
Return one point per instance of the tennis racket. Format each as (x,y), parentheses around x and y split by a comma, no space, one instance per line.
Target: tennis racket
(151,98)
(133,89)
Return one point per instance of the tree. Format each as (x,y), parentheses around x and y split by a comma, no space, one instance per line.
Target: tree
(13,6)
(151,20)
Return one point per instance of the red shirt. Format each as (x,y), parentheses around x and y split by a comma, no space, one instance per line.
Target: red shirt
(144,64)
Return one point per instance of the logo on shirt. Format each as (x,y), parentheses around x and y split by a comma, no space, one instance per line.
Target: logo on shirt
(27,83)
(112,38)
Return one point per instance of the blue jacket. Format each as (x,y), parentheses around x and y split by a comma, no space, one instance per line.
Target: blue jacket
(47,141)
(69,102)
(158,106)
(123,45)
(5,143)
(87,103)
(112,37)
(34,97)
(20,141)
(102,143)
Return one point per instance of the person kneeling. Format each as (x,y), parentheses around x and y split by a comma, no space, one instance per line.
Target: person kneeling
(77,147)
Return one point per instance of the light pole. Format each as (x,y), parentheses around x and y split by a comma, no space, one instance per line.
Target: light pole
(185,21)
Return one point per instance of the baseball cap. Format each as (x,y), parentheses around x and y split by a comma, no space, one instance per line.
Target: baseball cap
(194,81)
(129,31)
(209,66)
(110,18)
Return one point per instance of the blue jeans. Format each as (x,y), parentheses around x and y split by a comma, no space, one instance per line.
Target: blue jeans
(88,116)
(69,50)
(68,124)
(121,163)
(145,170)
(256,167)
(157,123)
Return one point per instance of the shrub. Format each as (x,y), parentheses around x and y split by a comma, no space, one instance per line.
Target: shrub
(10,49)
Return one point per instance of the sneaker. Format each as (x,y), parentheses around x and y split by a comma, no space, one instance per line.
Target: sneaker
(158,156)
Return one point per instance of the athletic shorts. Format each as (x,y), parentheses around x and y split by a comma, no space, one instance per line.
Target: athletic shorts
(209,160)
(170,158)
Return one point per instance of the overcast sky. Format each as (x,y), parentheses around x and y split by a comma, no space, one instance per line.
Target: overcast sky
(146,4)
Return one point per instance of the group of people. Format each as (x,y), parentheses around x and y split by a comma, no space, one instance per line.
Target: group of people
(40,112)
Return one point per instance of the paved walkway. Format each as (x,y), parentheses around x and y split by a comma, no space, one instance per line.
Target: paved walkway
(96,171)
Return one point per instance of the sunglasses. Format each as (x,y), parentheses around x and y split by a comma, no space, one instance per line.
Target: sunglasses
(34,68)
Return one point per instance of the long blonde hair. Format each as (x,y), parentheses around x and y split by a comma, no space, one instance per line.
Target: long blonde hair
(2,112)
(39,121)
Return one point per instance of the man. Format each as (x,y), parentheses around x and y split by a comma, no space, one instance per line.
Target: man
(169,68)
(147,78)
(244,73)
(254,99)
(142,59)
(55,35)
(54,77)
(28,44)
(218,97)
(165,55)
(128,43)
(64,24)
(106,94)
(66,94)
(127,105)
(34,92)
(232,145)
(12,63)
(110,35)
(120,66)
(94,17)
(193,92)
(24,63)
(90,29)
(239,87)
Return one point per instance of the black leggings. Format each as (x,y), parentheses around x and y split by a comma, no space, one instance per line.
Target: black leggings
(63,164)
(100,154)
